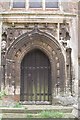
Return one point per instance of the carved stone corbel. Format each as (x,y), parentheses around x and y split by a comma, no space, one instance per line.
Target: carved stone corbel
(4,42)
(64,35)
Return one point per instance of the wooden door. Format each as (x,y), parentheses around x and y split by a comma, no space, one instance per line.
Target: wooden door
(36,78)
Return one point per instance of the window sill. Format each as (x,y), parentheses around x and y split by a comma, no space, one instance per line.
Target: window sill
(35,9)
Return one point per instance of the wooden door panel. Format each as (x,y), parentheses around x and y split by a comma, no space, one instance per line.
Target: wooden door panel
(35,77)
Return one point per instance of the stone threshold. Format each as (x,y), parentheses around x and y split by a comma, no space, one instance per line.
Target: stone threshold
(24,116)
(36,108)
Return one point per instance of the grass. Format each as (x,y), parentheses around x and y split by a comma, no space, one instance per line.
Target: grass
(46,114)
(2,94)
(51,114)
(17,105)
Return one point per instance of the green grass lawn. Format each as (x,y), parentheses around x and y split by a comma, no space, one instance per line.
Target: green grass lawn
(46,114)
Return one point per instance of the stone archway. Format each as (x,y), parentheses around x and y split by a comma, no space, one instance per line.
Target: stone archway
(37,39)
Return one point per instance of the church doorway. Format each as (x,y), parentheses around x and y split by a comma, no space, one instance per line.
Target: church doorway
(36,78)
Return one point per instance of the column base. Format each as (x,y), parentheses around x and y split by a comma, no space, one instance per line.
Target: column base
(76,111)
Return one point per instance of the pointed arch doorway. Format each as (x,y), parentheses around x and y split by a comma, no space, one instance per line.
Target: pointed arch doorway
(36,78)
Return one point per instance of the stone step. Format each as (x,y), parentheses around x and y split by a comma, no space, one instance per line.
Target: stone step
(12,110)
(33,109)
(36,108)
(15,115)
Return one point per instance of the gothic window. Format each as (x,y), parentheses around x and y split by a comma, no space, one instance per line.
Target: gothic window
(51,3)
(35,3)
(18,3)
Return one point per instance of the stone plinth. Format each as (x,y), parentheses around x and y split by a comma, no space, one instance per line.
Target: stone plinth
(76,111)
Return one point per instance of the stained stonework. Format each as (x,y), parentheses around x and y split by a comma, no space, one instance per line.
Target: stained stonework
(64,31)
(22,38)
(25,43)
(4,6)
(17,30)
(69,6)
(66,6)
(53,31)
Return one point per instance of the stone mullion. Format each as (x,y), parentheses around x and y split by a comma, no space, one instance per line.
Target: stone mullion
(27,4)
(11,4)
(43,3)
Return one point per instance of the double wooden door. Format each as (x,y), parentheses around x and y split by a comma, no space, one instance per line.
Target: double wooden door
(35,78)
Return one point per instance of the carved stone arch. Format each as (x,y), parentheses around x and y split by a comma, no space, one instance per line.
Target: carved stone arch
(44,50)
(30,35)
(37,39)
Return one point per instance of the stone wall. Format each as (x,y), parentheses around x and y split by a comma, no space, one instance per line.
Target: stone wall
(49,22)
(74,45)
(68,6)
(79,29)
(4,6)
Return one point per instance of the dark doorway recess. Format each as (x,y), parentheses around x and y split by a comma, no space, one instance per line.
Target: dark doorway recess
(36,78)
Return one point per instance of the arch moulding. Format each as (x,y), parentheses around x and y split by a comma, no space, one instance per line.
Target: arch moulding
(36,39)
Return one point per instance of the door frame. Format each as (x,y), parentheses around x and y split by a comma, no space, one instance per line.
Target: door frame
(49,95)
(36,39)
